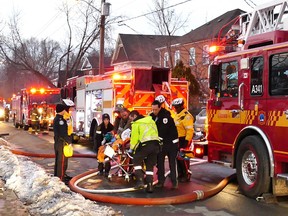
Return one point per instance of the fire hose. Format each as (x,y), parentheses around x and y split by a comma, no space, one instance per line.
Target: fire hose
(172,200)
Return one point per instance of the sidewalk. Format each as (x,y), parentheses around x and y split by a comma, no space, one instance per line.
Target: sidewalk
(10,204)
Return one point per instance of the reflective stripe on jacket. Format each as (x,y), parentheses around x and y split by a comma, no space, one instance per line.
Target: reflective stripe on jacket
(143,130)
(184,123)
(68,118)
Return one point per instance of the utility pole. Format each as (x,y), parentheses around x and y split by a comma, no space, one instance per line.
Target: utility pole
(105,9)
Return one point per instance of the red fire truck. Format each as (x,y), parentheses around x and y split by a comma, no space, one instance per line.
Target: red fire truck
(132,88)
(22,105)
(248,106)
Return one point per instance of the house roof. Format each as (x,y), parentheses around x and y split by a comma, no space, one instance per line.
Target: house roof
(211,29)
(135,47)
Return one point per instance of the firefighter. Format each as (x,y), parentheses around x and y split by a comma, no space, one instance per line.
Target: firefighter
(60,138)
(184,124)
(68,117)
(35,115)
(45,116)
(117,119)
(125,122)
(144,144)
(168,136)
(103,135)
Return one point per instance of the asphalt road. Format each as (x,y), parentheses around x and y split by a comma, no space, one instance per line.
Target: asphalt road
(204,176)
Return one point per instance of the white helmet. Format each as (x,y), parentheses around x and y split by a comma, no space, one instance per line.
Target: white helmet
(68,102)
(160,98)
(177,102)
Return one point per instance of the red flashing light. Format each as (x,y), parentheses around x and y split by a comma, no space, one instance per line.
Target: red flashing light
(33,90)
(116,77)
(42,90)
(215,48)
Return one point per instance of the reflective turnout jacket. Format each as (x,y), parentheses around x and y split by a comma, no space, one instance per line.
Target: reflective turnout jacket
(143,129)
(184,123)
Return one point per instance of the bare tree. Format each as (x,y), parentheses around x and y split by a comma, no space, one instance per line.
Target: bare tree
(166,22)
(33,56)
(83,33)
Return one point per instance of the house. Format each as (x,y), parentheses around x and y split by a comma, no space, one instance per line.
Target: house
(138,51)
(193,48)
(90,65)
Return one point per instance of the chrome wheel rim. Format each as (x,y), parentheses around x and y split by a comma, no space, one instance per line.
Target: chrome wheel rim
(249,167)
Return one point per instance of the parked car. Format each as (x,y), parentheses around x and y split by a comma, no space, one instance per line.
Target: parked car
(201,121)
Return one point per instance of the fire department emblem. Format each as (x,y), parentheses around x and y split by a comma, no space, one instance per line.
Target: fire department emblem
(61,122)
(165,120)
(261,118)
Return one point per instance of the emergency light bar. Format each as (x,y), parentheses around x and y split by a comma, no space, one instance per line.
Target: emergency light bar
(44,91)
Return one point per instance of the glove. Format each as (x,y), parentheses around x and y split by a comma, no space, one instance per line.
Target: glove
(130,153)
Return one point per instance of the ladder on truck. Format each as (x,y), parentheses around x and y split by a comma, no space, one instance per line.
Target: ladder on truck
(265,18)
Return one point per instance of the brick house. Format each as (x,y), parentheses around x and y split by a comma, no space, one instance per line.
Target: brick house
(192,48)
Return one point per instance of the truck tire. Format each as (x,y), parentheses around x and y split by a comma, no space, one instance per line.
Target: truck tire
(252,167)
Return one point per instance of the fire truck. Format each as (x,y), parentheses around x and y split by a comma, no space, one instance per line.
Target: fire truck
(247,109)
(23,102)
(134,89)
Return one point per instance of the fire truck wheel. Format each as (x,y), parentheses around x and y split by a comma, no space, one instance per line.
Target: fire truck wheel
(252,167)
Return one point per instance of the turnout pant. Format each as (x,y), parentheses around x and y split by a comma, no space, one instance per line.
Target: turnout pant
(183,165)
(146,151)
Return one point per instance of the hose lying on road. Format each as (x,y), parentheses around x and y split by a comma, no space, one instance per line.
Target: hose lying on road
(30,154)
(180,199)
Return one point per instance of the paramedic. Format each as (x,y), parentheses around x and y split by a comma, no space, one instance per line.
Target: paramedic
(144,143)
(168,136)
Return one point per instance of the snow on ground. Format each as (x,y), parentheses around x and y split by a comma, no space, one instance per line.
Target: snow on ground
(42,193)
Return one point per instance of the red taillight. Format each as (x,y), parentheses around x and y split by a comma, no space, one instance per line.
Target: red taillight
(198,151)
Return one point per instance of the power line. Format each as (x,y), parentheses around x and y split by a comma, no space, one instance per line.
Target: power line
(249,4)
(136,17)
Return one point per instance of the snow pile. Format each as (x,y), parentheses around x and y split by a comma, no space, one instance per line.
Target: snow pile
(41,193)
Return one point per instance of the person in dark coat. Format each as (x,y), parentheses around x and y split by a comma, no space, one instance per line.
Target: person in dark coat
(168,136)
(104,129)
(60,138)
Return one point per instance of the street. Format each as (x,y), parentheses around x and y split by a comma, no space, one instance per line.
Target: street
(204,175)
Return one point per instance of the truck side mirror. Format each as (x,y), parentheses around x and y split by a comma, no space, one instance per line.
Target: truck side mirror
(214,78)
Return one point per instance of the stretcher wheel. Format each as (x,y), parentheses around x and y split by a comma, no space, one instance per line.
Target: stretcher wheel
(110,177)
(127,178)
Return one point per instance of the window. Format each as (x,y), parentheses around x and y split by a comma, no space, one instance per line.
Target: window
(229,79)
(205,55)
(278,77)
(166,60)
(256,84)
(192,56)
(177,57)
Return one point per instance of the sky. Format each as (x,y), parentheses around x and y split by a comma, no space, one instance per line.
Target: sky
(42,18)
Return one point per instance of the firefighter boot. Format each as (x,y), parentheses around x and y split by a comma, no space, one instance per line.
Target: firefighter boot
(149,188)
(139,179)
(107,168)
(100,168)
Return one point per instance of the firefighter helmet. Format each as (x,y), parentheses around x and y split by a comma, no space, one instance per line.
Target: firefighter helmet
(43,102)
(160,98)
(177,102)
